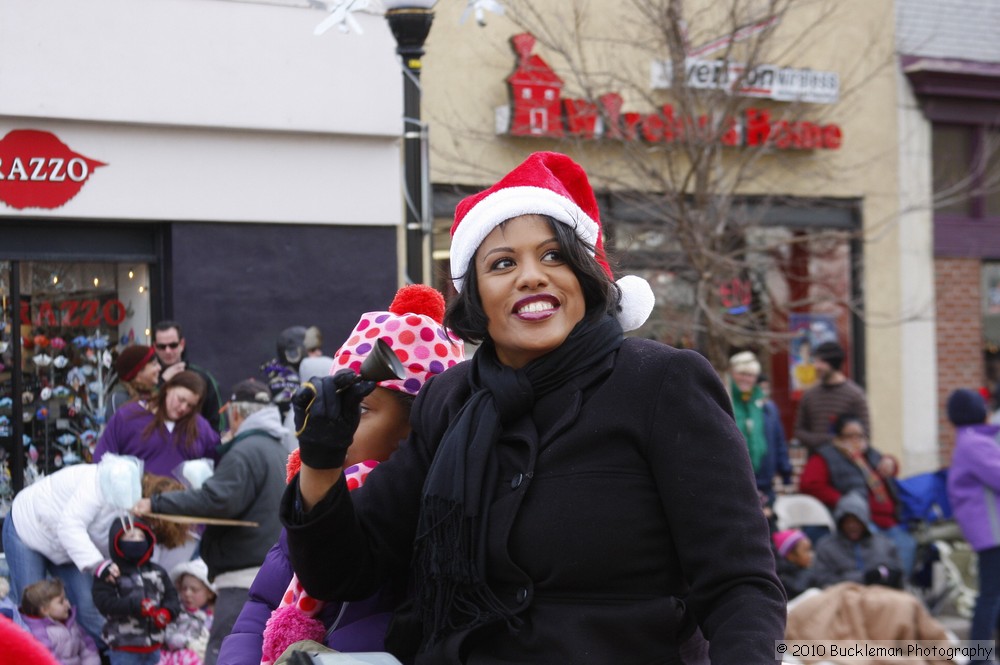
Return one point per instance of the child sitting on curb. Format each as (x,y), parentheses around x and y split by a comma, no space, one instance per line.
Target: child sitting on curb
(857,553)
(52,620)
(793,561)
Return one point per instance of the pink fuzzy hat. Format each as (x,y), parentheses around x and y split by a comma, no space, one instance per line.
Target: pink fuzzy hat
(412,327)
(550,184)
(20,646)
(786,540)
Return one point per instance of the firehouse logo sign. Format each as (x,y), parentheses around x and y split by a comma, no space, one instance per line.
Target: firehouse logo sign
(37,170)
(538,109)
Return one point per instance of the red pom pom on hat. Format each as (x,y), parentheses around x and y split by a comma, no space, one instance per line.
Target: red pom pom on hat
(418,299)
(20,646)
(412,327)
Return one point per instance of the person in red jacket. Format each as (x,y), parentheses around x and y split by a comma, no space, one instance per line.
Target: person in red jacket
(850,464)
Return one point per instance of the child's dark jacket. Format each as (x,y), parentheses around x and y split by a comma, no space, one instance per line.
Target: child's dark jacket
(120,601)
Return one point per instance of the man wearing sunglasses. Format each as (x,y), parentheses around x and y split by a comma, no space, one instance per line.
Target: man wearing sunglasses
(169,343)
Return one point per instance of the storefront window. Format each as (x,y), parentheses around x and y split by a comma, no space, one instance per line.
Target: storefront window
(990,290)
(991,178)
(966,167)
(952,151)
(72,319)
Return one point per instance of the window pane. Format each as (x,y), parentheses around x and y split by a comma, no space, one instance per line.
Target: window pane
(74,317)
(951,162)
(991,173)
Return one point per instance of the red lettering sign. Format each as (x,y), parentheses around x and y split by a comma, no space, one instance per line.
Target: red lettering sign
(88,313)
(37,170)
(539,110)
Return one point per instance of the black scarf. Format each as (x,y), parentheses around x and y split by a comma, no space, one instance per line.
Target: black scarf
(450,549)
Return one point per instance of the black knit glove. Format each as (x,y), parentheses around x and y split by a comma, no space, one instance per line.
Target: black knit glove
(325,420)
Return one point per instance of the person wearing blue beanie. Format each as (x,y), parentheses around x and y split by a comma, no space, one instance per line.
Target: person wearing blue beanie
(974,494)
(966,407)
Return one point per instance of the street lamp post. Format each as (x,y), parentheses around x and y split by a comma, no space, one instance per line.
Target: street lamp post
(410,22)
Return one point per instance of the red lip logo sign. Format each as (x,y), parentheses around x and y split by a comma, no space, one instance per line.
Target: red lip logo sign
(37,170)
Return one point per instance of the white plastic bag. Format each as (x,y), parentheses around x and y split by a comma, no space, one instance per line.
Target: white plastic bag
(120,480)
(194,472)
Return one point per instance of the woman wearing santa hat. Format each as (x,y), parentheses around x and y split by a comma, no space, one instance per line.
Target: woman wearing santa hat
(568,495)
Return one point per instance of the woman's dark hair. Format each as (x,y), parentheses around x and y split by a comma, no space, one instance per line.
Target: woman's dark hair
(467,319)
(405,399)
(187,427)
(843,420)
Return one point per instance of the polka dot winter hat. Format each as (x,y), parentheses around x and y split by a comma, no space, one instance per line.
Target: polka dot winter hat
(412,328)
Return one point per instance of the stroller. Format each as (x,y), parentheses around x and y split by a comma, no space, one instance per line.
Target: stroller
(945,571)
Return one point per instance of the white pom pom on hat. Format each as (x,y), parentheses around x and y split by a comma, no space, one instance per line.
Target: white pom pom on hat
(550,184)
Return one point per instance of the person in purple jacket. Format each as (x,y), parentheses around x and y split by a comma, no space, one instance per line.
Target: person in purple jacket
(974,494)
(165,431)
(52,620)
(279,612)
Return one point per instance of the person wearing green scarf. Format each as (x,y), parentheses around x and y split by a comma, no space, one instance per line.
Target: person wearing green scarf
(758,421)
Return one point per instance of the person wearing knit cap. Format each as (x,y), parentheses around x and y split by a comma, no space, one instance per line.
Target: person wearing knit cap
(138,374)
(974,495)
(187,635)
(794,545)
(793,561)
(561,462)
(279,612)
(833,395)
(759,422)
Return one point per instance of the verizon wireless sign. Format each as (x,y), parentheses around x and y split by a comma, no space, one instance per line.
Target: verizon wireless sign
(538,109)
(783,84)
(37,170)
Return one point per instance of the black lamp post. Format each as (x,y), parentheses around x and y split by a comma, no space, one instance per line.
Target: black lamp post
(410,22)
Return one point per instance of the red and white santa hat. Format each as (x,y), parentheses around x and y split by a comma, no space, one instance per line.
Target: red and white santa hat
(550,184)
(412,328)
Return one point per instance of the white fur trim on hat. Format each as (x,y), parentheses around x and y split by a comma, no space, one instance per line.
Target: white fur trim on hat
(506,204)
(637,302)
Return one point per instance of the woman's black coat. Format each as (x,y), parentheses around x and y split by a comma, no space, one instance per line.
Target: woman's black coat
(625,512)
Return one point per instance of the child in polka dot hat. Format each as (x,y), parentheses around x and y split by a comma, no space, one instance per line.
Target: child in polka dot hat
(280,612)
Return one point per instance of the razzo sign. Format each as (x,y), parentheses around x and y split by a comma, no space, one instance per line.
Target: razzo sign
(37,170)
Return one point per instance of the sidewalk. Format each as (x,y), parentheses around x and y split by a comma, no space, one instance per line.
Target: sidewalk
(956,624)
